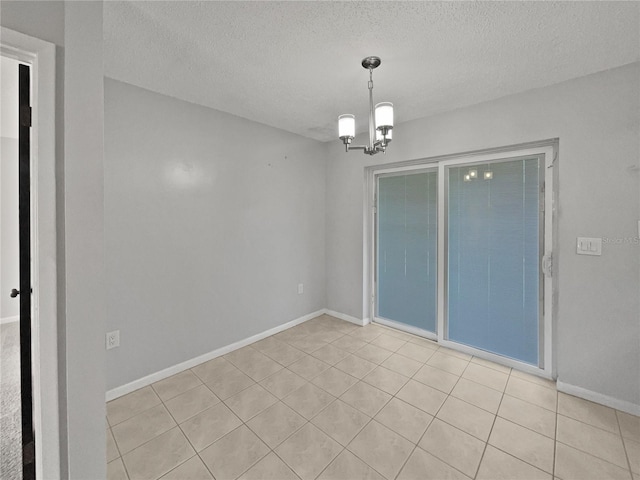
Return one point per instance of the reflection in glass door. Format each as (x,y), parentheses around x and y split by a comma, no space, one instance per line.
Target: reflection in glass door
(406,253)
(493,256)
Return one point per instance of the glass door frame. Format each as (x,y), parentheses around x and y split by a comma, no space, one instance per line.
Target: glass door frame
(547,152)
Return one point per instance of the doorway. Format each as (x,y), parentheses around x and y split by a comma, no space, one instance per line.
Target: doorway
(461,252)
(16,373)
(36,290)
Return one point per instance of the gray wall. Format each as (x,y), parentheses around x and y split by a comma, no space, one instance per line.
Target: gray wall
(84,239)
(76,30)
(211,221)
(40,19)
(595,117)
(597,120)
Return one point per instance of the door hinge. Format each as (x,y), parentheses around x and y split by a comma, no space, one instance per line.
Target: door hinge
(25,116)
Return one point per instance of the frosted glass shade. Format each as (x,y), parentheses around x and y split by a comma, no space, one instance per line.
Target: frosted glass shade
(384,115)
(346,126)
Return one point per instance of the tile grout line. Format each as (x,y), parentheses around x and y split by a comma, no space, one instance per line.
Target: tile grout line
(448,395)
(486,443)
(526,428)
(307,421)
(162,402)
(624,445)
(594,426)
(590,454)
(412,377)
(137,413)
(555,440)
(436,416)
(372,418)
(346,447)
(493,425)
(197,454)
(119,454)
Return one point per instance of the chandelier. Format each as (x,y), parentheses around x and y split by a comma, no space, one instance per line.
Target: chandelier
(380,120)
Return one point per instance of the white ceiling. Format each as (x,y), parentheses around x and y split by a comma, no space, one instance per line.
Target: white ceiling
(296,65)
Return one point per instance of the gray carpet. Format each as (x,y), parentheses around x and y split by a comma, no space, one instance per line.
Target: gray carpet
(10,448)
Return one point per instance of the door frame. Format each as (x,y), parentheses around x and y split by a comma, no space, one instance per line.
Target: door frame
(546,149)
(40,55)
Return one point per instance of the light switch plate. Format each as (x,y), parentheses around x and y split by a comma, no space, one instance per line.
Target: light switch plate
(589,246)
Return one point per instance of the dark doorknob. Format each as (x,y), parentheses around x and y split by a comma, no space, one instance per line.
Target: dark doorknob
(14,293)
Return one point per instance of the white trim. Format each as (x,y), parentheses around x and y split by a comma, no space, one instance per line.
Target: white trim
(348,318)
(442,236)
(600,398)
(368,275)
(167,372)
(495,358)
(369,247)
(406,328)
(550,218)
(5,320)
(41,56)
(428,164)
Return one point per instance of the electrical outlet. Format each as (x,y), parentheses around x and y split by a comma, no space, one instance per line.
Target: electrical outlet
(300,288)
(113,339)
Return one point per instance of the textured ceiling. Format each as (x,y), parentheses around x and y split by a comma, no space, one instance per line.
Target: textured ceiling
(296,65)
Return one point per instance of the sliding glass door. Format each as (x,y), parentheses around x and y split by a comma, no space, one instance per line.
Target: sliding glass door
(493,257)
(462,253)
(407,249)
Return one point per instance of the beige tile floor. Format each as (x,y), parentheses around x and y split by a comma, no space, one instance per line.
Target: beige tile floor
(330,400)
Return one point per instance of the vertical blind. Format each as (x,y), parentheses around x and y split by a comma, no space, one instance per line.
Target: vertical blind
(493,258)
(407,249)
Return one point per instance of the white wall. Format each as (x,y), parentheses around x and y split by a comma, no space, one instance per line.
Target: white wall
(9,253)
(597,121)
(211,221)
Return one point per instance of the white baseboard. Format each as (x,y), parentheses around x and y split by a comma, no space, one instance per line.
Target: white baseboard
(167,372)
(348,318)
(600,398)
(4,320)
